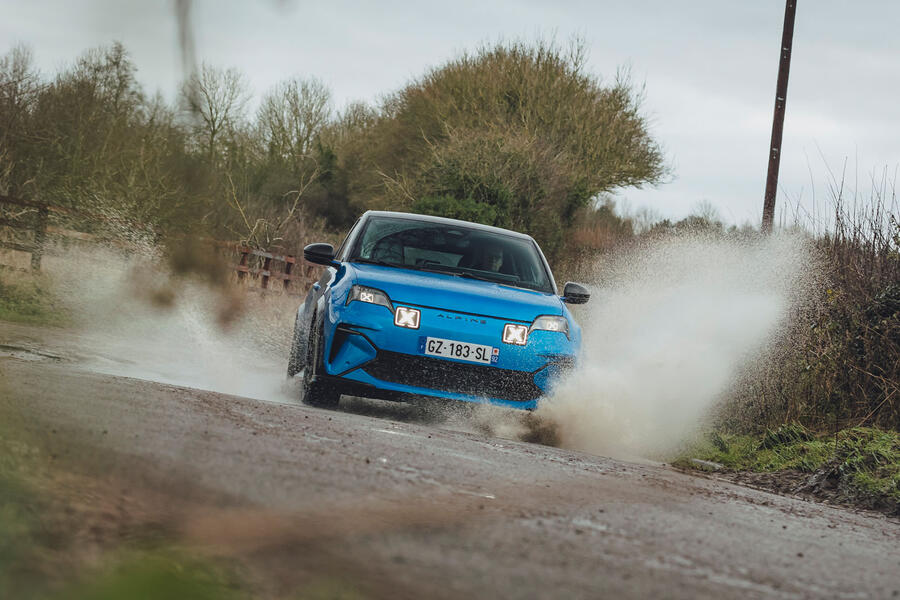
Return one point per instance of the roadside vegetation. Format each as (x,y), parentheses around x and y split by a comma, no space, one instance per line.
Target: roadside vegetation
(826,401)
(514,134)
(839,365)
(45,554)
(858,466)
(28,299)
(67,534)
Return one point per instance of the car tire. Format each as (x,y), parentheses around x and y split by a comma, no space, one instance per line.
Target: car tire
(315,391)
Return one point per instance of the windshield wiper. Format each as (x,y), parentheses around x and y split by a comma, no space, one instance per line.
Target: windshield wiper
(436,269)
(468,275)
(446,270)
(375,261)
(455,273)
(508,280)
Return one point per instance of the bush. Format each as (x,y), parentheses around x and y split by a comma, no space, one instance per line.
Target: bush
(839,365)
(466,209)
(520,127)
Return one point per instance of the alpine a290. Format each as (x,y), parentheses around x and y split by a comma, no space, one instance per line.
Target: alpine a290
(415,306)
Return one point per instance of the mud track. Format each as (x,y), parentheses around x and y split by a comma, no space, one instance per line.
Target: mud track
(408,509)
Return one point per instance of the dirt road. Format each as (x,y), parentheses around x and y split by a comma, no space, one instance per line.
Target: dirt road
(412,506)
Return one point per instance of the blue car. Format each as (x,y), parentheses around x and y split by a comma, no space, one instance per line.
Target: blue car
(414,306)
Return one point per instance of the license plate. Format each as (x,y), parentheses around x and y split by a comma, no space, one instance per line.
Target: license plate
(458,350)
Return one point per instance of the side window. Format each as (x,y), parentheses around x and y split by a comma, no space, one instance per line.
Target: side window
(340,251)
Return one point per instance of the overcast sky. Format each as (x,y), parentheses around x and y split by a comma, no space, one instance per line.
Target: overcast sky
(709,68)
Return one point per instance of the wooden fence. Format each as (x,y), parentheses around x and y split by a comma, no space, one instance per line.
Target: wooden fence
(284,268)
(34,218)
(295,275)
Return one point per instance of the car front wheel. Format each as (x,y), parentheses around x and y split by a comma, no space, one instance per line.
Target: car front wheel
(317,392)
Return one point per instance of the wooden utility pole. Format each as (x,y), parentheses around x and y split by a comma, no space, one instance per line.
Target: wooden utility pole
(784,67)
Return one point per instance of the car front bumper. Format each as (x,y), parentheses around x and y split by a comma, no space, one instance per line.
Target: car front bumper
(366,352)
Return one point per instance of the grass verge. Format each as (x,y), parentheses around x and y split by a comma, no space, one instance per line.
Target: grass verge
(70,535)
(858,466)
(43,558)
(27,299)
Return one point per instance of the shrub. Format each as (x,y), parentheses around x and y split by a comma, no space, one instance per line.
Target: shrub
(839,365)
(520,127)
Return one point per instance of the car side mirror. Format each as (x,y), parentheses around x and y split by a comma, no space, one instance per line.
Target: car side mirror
(575,293)
(320,254)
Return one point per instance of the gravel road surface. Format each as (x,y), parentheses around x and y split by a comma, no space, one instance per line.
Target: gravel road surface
(411,507)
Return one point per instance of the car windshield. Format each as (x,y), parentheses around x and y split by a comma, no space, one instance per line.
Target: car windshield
(452,249)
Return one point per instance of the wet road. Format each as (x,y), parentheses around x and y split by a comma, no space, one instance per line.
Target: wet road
(410,507)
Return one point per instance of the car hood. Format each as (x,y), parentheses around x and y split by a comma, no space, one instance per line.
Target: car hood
(457,294)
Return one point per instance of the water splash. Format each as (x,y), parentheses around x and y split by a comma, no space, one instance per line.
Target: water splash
(136,319)
(667,333)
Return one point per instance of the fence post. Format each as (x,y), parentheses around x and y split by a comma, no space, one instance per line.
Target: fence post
(243,263)
(267,263)
(40,236)
(289,272)
(288,267)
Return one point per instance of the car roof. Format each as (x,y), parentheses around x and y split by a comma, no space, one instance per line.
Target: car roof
(444,221)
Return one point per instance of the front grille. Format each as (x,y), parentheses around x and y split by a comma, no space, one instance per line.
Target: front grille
(454,377)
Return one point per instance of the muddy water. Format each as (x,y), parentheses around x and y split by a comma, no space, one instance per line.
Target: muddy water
(134,318)
(667,333)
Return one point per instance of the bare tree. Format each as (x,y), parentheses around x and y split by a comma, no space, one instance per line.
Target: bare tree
(18,82)
(217,99)
(644,218)
(107,75)
(19,87)
(290,117)
(265,231)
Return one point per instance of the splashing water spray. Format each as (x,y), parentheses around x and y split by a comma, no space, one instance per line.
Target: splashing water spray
(666,335)
(135,318)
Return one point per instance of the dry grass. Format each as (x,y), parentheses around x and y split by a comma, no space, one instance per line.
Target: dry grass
(840,364)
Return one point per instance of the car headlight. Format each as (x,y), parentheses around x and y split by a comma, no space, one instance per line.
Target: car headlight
(407,317)
(515,334)
(551,323)
(370,295)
